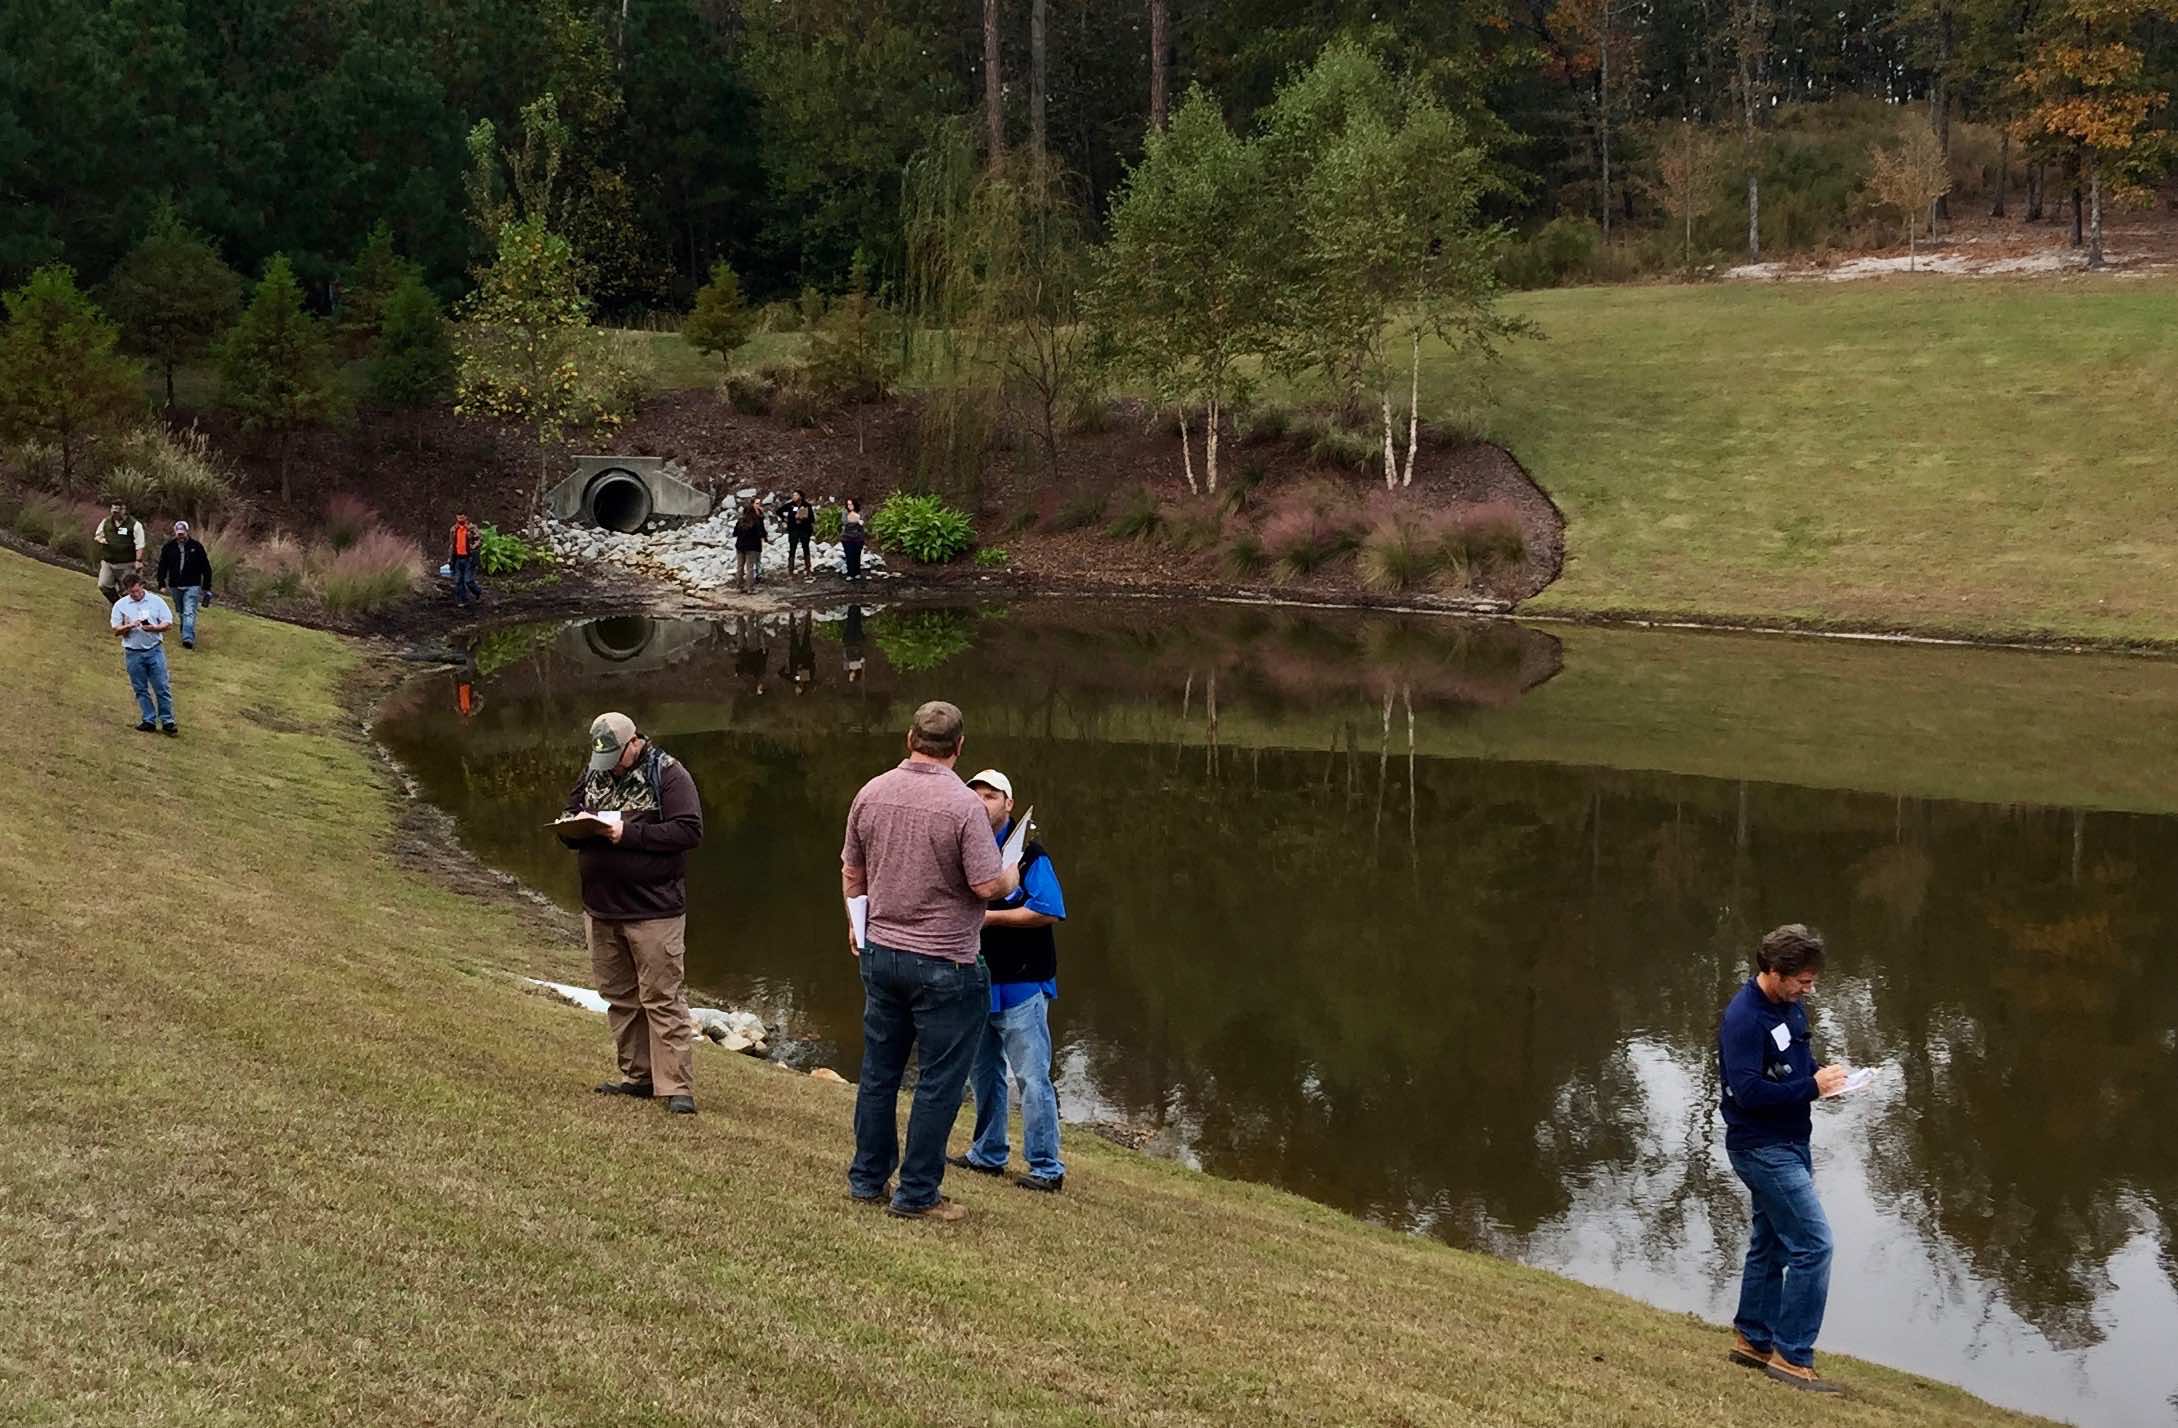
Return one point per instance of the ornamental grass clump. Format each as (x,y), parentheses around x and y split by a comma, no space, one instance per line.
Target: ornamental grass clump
(378,571)
(1403,550)
(1308,527)
(1484,537)
(178,473)
(1139,517)
(346,520)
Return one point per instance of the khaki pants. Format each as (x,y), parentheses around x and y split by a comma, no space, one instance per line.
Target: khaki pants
(111,574)
(640,967)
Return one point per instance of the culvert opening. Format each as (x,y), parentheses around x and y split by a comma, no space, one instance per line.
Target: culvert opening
(619,502)
(619,637)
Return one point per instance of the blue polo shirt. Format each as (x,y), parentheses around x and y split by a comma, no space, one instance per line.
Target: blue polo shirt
(1039,892)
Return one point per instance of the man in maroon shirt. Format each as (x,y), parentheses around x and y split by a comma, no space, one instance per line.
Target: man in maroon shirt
(919,847)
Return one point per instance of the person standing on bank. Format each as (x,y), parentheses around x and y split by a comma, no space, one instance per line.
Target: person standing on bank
(850,538)
(801,526)
(1022,954)
(141,620)
(1770,1079)
(748,546)
(635,906)
(919,846)
(120,542)
(461,547)
(186,570)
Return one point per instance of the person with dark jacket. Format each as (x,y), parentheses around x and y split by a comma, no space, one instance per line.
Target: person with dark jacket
(461,557)
(1022,954)
(635,905)
(801,527)
(1769,1078)
(851,529)
(749,536)
(186,570)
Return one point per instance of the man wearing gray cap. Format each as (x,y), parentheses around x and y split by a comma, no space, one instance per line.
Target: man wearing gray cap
(635,905)
(186,570)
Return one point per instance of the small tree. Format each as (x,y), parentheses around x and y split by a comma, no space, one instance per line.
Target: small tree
(524,338)
(61,381)
(721,321)
(172,295)
(1910,177)
(412,362)
(1689,163)
(367,284)
(276,366)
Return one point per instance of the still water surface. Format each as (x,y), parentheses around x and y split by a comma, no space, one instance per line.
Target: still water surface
(1329,932)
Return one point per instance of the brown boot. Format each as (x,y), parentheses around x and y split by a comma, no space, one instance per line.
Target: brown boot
(1745,1353)
(1805,1379)
(941,1209)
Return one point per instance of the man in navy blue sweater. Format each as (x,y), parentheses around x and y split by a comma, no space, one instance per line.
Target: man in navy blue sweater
(1770,1079)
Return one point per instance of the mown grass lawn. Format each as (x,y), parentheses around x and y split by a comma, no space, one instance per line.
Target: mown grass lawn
(1983,455)
(287,1144)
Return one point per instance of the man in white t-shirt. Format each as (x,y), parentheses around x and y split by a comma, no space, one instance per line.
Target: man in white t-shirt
(141,620)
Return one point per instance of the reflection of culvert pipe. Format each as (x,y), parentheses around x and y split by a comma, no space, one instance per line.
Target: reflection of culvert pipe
(620,637)
(618,501)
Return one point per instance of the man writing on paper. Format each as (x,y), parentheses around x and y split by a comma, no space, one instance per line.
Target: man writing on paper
(635,905)
(1022,954)
(1770,1078)
(919,847)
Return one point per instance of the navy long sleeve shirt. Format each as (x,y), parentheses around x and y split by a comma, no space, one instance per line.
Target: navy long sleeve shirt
(1768,1071)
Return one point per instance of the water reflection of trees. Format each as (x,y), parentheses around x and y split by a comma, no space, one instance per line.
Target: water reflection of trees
(1420,988)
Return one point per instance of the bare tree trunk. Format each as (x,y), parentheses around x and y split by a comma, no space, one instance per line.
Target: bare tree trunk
(2094,223)
(1603,114)
(2078,234)
(2034,192)
(2003,173)
(1160,50)
(1754,217)
(1414,410)
(1210,448)
(1187,455)
(1940,97)
(1037,27)
(1391,453)
(994,113)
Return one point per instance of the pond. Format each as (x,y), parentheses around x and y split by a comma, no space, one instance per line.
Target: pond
(1431,921)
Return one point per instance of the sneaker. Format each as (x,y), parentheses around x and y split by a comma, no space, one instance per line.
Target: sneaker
(1746,1354)
(1802,1377)
(147,727)
(941,1209)
(640,1090)
(962,1162)
(1049,1184)
(683,1105)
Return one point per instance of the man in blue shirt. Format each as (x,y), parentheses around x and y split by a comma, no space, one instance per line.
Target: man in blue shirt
(141,619)
(1770,1079)
(1022,953)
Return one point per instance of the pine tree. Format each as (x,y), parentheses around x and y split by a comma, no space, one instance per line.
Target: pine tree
(61,381)
(721,321)
(276,366)
(365,286)
(172,295)
(412,362)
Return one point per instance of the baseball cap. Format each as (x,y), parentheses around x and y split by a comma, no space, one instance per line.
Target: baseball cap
(181,525)
(609,734)
(995,779)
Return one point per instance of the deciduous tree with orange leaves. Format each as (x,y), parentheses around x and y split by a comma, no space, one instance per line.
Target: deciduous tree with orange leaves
(2086,85)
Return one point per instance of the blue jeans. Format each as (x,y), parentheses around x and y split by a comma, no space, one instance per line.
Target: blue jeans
(189,597)
(1787,1280)
(935,1008)
(1018,1040)
(147,675)
(465,587)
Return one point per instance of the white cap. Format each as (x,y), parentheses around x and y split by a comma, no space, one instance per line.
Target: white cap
(995,779)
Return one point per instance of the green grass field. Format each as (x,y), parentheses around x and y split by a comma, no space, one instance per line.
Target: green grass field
(288,1145)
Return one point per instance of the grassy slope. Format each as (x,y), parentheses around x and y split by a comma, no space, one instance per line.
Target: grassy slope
(1971,454)
(286,1146)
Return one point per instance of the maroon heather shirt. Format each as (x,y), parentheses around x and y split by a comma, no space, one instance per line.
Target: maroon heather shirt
(921,837)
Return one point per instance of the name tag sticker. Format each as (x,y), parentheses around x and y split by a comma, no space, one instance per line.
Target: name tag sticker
(1782,1037)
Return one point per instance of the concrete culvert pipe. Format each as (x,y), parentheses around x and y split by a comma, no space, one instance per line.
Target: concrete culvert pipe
(619,501)
(619,637)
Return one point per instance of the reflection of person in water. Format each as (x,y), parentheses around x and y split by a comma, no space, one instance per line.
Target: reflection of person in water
(850,644)
(465,698)
(749,661)
(801,665)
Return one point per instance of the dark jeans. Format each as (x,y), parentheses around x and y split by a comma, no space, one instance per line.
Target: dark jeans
(800,543)
(465,586)
(852,549)
(937,1008)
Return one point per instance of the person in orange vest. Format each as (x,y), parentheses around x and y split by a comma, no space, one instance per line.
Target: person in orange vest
(462,560)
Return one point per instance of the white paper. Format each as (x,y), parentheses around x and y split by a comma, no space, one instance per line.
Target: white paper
(858,918)
(1782,1037)
(1016,841)
(1858,1081)
(609,817)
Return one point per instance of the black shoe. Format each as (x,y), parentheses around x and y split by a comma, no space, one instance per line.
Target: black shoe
(171,732)
(680,1105)
(962,1162)
(640,1090)
(147,727)
(1049,1184)
(189,644)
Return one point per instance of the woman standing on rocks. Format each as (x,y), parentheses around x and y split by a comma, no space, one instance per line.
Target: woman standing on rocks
(850,537)
(748,546)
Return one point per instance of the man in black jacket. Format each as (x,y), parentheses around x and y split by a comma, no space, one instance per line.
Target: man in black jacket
(186,571)
(801,526)
(635,905)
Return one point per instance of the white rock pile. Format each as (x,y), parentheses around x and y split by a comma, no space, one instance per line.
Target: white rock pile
(700,555)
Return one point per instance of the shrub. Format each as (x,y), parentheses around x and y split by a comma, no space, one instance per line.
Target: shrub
(379,570)
(1139,517)
(991,557)
(923,528)
(185,478)
(1349,450)
(1402,551)
(40,518)
(797,405)
(1309,527)
(918,640)
(615,372)
(1191,525)
(747,391)
(829,520)
(1244,483)
(1562,251)
(11,506)
(72,531)
(1085,413)
(778,317)
(502,553)
(33,462)
(1244,554)
(852,357)
(346,519)
(1082,512)
(1485,535)
(1268,422)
